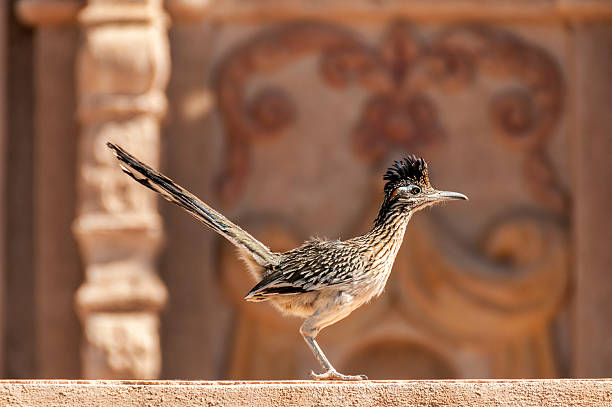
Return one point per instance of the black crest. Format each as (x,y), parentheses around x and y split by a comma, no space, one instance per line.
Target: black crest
(410,170)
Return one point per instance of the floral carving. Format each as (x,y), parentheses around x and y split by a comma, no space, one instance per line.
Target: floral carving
(525,115)
(397,114)
(394,122)
(398,73)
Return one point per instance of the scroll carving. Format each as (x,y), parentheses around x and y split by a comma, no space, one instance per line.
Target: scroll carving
(398,74)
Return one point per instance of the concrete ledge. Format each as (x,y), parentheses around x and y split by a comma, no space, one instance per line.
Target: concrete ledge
(305,393)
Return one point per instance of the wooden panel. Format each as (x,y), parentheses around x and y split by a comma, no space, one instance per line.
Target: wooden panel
(593,191)
(57,263)
(3,173)
(20,299)
(195,321)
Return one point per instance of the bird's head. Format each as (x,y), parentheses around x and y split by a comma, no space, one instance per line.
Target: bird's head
(408,186)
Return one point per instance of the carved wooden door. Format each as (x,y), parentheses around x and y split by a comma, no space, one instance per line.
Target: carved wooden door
(288,128)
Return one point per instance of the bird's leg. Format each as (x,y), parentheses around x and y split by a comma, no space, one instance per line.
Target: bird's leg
(310,329)
(330,372)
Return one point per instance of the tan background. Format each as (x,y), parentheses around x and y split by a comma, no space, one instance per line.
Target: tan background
(284,116)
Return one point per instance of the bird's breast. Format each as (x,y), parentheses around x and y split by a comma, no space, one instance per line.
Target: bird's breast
(377,273)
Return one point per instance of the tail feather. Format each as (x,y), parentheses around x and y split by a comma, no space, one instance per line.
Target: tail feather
(173,192)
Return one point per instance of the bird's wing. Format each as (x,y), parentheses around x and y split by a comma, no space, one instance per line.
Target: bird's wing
(311,267)
(173,192)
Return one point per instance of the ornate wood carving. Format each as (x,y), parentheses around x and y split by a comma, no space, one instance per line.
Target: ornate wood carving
(123,67)
(398,74)
(469,310)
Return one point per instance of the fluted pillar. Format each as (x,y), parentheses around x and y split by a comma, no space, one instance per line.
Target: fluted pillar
(122,67)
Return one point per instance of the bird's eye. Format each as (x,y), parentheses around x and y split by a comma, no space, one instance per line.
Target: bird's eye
(415,190)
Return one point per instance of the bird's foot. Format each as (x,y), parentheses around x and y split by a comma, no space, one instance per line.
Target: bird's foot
(331,374)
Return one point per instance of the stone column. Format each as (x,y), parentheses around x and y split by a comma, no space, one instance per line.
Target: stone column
(122,67)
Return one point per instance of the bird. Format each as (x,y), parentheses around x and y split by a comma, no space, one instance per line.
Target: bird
(321,281)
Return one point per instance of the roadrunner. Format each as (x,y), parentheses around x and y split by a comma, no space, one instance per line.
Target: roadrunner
(322,281)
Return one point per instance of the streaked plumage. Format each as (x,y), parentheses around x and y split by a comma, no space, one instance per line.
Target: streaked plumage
(322,280)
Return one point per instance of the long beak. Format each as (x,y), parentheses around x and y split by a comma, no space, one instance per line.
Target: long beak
(446,195)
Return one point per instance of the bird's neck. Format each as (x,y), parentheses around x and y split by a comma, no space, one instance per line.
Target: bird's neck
(390,225)
(384,242)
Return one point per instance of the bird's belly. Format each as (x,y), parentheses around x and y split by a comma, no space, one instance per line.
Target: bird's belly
(306,304)
(299,305)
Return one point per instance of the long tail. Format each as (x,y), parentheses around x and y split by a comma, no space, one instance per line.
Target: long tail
(152,179)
